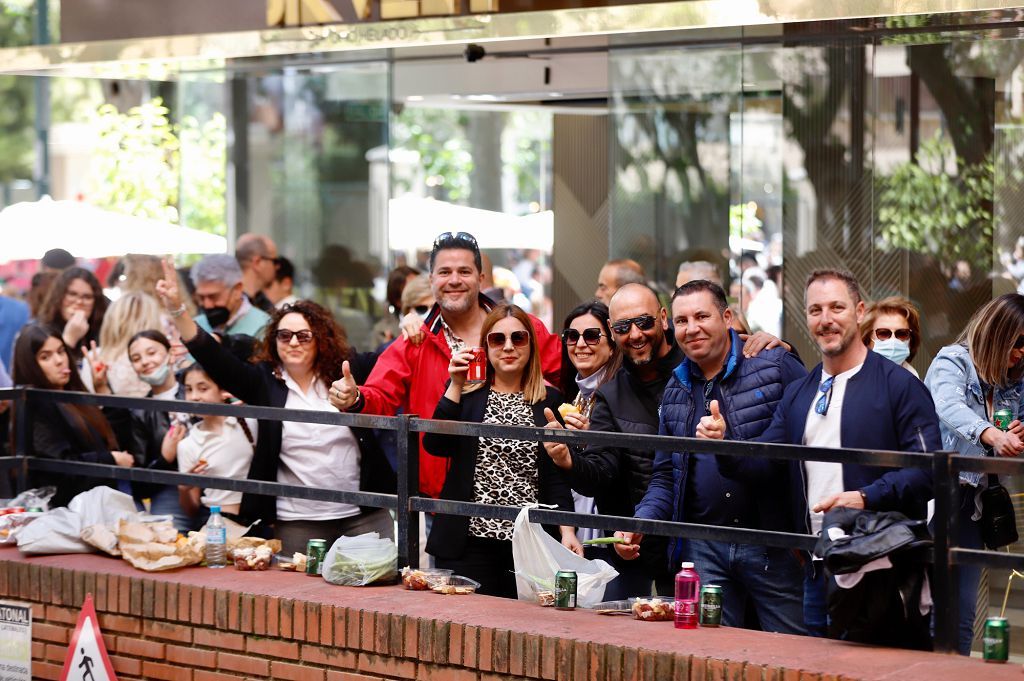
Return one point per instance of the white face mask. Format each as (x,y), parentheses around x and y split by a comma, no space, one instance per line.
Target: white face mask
(893,349)
(157,376)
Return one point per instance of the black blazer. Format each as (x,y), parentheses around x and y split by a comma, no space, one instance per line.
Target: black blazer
(56,435)
(449,533)
(257,384)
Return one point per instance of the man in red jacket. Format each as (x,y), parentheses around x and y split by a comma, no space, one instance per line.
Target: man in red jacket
(412,377)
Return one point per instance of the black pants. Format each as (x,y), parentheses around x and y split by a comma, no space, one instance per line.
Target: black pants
(488,561)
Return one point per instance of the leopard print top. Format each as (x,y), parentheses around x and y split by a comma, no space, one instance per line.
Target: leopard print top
(506,470)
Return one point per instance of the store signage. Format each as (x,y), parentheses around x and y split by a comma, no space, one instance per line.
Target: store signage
(305,12)
(15,641)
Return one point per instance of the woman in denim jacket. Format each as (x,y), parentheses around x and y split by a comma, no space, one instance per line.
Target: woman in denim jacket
(969,381)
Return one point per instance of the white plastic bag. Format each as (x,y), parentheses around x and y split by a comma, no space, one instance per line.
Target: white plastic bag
(60,530)
(538,556)
(361,560)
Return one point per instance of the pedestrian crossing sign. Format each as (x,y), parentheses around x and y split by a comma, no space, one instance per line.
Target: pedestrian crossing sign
(87,658)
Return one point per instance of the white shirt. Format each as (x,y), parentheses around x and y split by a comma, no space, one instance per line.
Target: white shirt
(825,479)
(316,455)
(228,454)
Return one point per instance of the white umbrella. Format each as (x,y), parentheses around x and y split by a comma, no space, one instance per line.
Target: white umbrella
(414,223)
(30,228)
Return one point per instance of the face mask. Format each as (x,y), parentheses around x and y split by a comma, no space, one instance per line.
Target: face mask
(893,349)
(157,377)
(217,316)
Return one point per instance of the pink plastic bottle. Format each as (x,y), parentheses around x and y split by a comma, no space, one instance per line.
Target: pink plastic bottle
(687,597)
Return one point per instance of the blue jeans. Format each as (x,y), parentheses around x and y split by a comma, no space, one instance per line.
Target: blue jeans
(815,599)
(968,536)
(770,578)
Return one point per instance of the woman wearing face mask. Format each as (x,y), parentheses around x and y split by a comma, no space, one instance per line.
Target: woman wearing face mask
(70,432)
(892,328)
(495,470)
(971,380)
(150,354)
(74,308)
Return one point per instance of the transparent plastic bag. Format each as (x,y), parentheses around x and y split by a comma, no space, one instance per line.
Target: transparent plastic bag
(38,497)
(361,560)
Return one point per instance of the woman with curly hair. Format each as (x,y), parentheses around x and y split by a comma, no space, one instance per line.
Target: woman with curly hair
(301,353)
(74,308)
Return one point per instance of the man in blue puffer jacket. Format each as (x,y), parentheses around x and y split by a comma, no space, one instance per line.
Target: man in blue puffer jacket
(687,487)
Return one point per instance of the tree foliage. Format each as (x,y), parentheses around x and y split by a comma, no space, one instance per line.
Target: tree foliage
(16,140)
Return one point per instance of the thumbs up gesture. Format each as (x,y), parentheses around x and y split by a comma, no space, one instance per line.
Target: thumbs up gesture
(344,392)
(712,427)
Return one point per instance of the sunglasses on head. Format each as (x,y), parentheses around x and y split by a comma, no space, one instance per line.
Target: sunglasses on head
(496,339)
(644,322)
(1019,343)
(285,336)
(886,334)
(590,336)
(447,237)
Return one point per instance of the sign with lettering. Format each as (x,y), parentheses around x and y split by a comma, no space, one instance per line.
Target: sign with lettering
(87,656)
(15,641)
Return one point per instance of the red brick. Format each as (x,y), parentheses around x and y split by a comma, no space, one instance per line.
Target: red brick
(243,663)
(295,672)
(287,617)
(396,635)
(594,656)
(809,676)
(184,603)
(220,609)
(124,594)
(38,650)
(126,665)
(159,600)
(234,610)
(455,644)
(55,653)
(109,642)
(350,676)
(382,633)
(331,657)
(50,632)
(270,647)
(193,657)
(387,666)
(326,625)
(299,620)
(54,613)
(500,655)
(196,598)
(167,631)
(259,616)
(273,616)
(155,670)
(486,649)
(548,657)
(680,667)
(531,656)
(411,627)
(431,672)
(563,658)
(209,607)
(204,675)
(246,620)
(45,670)
(753,672)
(152,650)
(120,624)
(698,668)
(213,638)
(312,633)
(366,619)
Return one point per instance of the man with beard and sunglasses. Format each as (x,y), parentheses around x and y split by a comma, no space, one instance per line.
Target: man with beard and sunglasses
(853,399)
(411,377)
(687,486)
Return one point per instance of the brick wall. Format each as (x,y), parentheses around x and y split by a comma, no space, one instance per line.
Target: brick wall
(206,625)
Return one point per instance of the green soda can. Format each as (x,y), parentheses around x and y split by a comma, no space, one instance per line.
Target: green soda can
(996,640)
(1001,419)
(711,605)
(565,590)
(316,549)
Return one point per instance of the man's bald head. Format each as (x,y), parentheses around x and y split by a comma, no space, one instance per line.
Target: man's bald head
(633,295)
(634,307)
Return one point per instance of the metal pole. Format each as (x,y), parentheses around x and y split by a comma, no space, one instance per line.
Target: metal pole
(408,486)
(944,581)
(41,86)
(22,438)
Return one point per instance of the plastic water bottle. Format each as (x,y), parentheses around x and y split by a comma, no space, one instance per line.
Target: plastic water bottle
(687,597)
(216,540)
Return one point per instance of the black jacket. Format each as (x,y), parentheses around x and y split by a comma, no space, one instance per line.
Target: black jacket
(257,384)
(57,434)
(449,533)
(148,429)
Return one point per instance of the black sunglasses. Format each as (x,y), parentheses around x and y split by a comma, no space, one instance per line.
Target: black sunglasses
(447,237)
(285,336)
(644,322)
(886,334)
(421,309)
(590,336)
(496,339)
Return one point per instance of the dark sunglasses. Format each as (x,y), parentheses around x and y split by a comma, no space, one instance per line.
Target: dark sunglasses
(644,322)
(590,336)
(886,334)
(447,237)
(496,339)
(421,309)
(1019,344)
(285,336)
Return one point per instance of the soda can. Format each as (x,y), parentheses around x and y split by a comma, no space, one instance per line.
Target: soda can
(477,366)
(316,549)
(710,605)
(996,640)
(1001,419)
(565,590)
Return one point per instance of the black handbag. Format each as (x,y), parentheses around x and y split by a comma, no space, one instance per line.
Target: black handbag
(998,522)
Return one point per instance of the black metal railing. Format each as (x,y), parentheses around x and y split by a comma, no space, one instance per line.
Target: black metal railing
(408,505)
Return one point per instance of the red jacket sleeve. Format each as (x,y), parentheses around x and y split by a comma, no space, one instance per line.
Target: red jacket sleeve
(550,347)
(387,385)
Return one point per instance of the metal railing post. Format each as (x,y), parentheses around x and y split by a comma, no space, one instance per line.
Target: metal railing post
(945,573)
(22,438)
(408,486)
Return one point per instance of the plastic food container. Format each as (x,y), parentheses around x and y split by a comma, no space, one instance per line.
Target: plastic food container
(653,609)
(424,578)
(457,585)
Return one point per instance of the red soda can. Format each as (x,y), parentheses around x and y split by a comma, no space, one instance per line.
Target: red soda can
(477,366)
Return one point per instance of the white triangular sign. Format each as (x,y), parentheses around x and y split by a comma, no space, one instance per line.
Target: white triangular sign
(87,658)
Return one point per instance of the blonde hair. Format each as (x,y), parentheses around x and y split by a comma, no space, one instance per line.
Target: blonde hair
(533,379)
(132,312)
(416,289)
(141,272)
(989,337)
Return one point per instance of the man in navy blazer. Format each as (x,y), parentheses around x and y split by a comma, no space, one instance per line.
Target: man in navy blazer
(854,399)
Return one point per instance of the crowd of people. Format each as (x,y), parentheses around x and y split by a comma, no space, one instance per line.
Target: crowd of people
(624,360)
